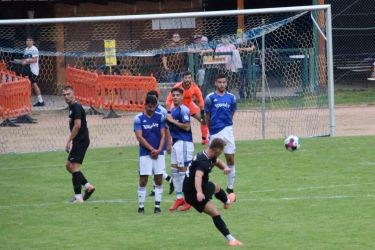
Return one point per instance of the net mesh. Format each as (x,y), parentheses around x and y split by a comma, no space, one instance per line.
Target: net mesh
(292,100)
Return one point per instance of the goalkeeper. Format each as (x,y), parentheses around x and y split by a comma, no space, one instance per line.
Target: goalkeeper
(191,90)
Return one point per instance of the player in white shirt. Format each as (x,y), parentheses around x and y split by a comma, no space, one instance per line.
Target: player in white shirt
(220,107)
(31,60)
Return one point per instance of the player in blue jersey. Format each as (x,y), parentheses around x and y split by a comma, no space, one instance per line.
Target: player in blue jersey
(182,145)
(220,107)
(167,143)
(149,128)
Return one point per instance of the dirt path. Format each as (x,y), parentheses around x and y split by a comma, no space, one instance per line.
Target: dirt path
(50,132)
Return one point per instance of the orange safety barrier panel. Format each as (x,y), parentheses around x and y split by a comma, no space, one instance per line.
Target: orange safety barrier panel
(125,93)
(14,97)
(85,85)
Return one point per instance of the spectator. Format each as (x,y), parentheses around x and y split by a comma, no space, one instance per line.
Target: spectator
(174,60)
(31,62)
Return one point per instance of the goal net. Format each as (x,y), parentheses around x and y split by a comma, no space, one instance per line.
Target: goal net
(275,63)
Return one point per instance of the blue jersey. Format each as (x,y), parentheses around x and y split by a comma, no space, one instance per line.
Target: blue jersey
(182,115)
(220,109)
(160,109)
(151,130)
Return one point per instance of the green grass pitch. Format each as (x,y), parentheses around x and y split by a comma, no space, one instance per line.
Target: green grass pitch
(319,197)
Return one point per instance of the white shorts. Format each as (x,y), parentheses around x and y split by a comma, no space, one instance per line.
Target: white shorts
(182,153)
(149,166)
(227,135)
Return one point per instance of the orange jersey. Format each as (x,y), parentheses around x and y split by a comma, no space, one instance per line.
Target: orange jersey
(188,95)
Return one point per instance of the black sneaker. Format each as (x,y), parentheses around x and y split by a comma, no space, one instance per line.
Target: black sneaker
(39,104)
(141,210)
(152,193)
(88,193)
(171,188)
(230,190)
(157,210)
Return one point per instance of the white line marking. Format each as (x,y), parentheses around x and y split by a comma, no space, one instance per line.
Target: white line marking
(333,197)
(305,188)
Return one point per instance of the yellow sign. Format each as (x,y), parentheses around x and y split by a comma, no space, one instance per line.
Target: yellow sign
(110,52)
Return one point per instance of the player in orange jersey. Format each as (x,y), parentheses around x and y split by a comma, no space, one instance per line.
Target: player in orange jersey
(191,90)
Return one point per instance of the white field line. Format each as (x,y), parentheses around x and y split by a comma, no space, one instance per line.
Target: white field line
(4,167)
(317,198)
(305,188)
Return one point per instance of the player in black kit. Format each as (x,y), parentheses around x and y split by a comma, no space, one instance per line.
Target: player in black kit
(198,190)
(76,146)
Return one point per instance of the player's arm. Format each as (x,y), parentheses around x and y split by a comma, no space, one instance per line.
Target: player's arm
(198,185)
(162,140)
(208,118)
(198,95)
(29,60)
(184,126)
(222,166)
(169,140)
(73,134)
(142,140)
(168,102)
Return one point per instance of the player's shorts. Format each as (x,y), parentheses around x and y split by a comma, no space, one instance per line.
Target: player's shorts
(191,195)
(78,151)
(194,109)
(27,71)
(182,153)
(149,166)
(227,135)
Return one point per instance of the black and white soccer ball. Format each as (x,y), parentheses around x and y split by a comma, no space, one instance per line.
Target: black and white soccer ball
(292,143)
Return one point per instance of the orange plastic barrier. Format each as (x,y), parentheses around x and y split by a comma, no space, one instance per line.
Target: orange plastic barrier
(3,66)
(85,85)
(125,93)
(14,96)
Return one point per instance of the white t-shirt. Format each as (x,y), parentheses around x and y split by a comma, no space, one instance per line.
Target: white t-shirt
(32,52)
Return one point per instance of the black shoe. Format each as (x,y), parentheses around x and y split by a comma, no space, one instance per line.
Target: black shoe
(171,188)
(141,210)
(88,193)
(230,190)
(152,193)
(39,104)
(157,210)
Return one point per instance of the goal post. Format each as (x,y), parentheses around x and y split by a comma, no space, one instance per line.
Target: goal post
(278,62)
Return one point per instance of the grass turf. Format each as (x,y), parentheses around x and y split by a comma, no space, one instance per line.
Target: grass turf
(319,197)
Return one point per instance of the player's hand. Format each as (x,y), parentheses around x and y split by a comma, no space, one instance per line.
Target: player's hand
(200,197)
(23,62)
(227,170)
(154,154)
(68,146)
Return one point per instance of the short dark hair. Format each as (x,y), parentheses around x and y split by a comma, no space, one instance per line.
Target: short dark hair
(153,93)
(217,143)
(219,76)
(29,37)
(178,90)
(186,73)
(151,99)
(68,88)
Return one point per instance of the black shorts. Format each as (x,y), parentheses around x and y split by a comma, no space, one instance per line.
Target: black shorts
(33,78)
(191,195)
(78,151)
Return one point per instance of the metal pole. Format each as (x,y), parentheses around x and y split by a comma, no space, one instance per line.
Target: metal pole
(162,16)
(263,108)
(331,90)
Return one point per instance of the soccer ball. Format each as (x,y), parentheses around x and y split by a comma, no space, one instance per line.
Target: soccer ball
(292,143)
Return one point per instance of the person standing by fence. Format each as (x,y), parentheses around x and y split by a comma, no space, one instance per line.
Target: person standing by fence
(31,61)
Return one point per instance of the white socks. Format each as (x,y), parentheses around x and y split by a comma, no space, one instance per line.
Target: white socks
(230,177)
(158,195)
(40,99)
(141,196)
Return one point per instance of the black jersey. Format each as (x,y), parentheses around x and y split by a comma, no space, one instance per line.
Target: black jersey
(203,163)
(76,111)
